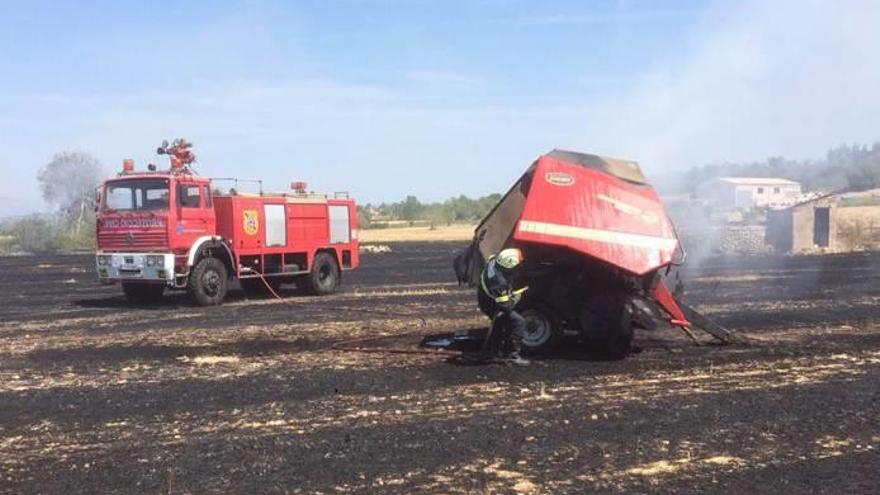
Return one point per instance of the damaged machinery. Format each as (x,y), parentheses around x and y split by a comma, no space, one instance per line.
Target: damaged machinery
(598,248)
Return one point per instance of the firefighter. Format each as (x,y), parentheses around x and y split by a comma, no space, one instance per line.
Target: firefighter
(508,327)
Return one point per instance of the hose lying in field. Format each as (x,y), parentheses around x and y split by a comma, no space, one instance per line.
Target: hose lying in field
(345,344)
(268,286)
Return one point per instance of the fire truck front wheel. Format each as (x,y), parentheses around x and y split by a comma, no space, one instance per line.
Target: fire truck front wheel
(324,276)
(208,282)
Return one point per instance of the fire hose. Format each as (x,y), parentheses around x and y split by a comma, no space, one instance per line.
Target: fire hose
(344,345)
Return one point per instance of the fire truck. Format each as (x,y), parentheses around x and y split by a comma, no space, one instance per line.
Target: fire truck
(174,229)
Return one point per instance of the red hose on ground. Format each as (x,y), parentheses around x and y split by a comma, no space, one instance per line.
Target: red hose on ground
(341,346)
(268,286)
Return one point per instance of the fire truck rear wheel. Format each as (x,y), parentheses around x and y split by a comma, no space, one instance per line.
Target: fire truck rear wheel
(324,276)
(208,282)
(142,293)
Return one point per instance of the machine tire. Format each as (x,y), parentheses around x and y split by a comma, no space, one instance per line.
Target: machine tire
(141,293)
(256,288)
(208,282)
(619,344)
(324,276)
(544,330)
(608,322)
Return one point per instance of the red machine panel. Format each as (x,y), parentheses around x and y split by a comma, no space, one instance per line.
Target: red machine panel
(614,220)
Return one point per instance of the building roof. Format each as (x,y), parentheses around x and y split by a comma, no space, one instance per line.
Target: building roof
(759,181)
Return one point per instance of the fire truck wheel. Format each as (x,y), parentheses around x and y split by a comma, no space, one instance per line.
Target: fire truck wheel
(208,282)
(324,277)
(142,293)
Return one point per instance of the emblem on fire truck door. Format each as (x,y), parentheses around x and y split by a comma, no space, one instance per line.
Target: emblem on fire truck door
(251,222)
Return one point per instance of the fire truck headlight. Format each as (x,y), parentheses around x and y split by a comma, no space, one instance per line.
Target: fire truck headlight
(157,261)
(103,260)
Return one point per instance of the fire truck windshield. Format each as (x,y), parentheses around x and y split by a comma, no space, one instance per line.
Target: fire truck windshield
(137,195)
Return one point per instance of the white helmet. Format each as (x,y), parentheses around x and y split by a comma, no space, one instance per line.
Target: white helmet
(510,258)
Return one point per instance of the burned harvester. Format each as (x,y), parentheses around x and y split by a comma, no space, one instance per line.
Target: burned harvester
(598,245)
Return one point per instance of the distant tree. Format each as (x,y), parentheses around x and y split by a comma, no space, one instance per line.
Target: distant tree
(365,217)
(854,166)
(456,209)
(865,172)
(411,209)
(68,182)
(34,234)
(437,214)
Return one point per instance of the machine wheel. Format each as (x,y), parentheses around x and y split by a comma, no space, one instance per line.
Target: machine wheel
(208,282)
(324,276)
(256,288)
(543,331)
(140,293)
(608,321)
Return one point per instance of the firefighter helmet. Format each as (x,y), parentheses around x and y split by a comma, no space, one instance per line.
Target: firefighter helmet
(510,258)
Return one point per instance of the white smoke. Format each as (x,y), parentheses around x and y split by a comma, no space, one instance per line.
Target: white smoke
(761,78)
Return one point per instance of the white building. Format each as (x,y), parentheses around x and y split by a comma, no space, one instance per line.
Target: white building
(750,192)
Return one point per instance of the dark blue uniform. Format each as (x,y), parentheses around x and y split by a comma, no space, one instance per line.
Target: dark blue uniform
(509,327)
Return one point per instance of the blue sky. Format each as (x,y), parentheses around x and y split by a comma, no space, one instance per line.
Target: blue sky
(388,98)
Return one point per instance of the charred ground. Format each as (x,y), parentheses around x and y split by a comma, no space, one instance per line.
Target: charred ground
(97,396)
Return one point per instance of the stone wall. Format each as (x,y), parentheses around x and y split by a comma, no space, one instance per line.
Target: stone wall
(725,239)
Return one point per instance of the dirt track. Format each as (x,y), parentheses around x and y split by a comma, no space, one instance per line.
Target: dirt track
(98,397)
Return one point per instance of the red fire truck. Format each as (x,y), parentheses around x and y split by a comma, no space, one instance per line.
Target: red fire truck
(173,229)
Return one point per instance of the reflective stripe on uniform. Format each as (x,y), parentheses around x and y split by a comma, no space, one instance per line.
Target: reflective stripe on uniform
(507,296)
(503,298)
(500,299)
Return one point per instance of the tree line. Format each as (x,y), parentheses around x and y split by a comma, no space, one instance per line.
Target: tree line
(69,184)
(855,167)
(70,180)
(410,210)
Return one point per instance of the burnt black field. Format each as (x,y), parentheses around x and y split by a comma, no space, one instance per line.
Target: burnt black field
(98,396)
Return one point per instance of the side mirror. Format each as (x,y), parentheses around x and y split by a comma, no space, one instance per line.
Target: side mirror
(97,201)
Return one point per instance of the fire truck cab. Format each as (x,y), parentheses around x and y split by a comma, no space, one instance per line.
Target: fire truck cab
(175,230)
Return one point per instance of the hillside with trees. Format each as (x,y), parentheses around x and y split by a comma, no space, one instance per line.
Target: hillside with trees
(844,167)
